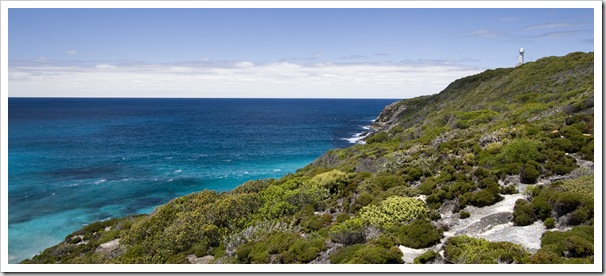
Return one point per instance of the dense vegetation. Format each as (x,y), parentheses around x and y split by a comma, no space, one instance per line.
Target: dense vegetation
(465,146)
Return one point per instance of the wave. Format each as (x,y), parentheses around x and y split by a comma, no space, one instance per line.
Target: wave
(357,138)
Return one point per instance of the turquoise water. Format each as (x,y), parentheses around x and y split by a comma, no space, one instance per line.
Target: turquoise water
(75,161)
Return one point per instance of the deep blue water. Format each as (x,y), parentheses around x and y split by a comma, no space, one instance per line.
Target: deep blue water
(75,161)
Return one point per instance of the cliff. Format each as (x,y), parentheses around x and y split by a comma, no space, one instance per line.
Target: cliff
(497,168)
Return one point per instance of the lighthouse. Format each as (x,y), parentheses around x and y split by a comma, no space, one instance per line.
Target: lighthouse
(521,57)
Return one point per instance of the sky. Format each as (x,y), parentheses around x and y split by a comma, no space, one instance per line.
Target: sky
(276,53)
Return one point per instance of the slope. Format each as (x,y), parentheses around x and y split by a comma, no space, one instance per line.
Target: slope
(524,132)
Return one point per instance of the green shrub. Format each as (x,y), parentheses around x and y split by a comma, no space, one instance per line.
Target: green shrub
(303,251)
(314,222)
(378,137)
(464,200)
(582,186)
(578,247)
(419,234)
(549,223)
(464,214)
(509,169)
(366,254)
(566,202)
(520,151)
(402,191)
(579,118)
(285,247)
(545,256)
(459,188)
(413,174)
(462,124)
(488,181)
(562,144)
(541,207)
(467,250)
(559,163)
(427,257)
(342,217)
(427,186)
(434,215)
(559,242)
(481,173)
(578,216)
(484,197)
(529,174)
(345,254)
(252,253)
(349,232)
(252,186)
(587,151)
(522,213)
(508,190)
(386,181)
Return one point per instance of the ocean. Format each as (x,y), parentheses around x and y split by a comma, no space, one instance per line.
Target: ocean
(73,161)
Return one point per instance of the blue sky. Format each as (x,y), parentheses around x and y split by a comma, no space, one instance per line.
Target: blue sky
(342,53)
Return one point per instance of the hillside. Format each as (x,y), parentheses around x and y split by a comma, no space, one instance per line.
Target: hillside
(440,179)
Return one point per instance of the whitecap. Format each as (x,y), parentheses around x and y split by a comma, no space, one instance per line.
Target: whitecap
(72,185)
(356,138)
(170,180)
(277,170)
(100,181)
(178,171)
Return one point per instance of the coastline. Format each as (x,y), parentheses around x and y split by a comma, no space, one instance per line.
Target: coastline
(176,172)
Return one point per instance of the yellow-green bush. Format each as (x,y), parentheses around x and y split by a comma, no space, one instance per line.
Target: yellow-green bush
(521,150)
(334,181)
(394,210)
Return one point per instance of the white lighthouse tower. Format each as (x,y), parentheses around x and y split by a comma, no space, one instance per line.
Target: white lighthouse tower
(521,57)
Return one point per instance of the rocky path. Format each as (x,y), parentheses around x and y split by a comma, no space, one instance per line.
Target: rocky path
(494,223)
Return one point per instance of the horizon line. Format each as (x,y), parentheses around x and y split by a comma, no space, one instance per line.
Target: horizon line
(227,98)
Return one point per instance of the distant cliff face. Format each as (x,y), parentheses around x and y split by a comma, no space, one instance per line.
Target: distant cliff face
(389,115)
(474,174)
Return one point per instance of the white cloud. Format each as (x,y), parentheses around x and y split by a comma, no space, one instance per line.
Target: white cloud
(245,64)
(239,79)
(71,52)
(485,33)
(548,26)
(562,34)
(105,66)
